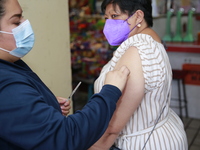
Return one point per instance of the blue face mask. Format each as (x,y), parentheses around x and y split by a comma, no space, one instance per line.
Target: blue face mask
(24,38)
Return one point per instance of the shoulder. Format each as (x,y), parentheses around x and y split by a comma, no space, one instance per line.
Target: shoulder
(13,82)
(9,76)
(145,54)
(132,60)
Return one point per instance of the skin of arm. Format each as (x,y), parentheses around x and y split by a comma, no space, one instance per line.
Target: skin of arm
(129,101)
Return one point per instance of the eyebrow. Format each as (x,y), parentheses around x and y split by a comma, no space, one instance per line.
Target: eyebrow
(17,15)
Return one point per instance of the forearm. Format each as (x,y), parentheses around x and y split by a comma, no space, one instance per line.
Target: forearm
(93,119)
(50,126)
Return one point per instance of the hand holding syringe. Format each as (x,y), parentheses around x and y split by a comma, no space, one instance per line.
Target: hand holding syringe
(65,103)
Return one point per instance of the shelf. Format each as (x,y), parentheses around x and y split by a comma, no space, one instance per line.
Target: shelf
(187,47)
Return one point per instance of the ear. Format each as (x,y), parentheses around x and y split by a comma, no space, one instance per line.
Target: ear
(139,16)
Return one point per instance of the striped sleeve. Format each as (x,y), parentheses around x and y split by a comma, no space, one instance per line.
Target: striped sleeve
(152,63)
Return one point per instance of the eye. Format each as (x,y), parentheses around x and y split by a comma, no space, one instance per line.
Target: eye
(114,16)
(105,17)
(17,23)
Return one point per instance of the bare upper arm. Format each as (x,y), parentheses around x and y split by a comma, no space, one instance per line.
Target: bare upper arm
(133,92)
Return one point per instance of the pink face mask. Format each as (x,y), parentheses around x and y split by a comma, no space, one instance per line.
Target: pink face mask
(116,31)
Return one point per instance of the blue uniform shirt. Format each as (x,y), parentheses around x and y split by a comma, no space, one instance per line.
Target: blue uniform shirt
(31,118)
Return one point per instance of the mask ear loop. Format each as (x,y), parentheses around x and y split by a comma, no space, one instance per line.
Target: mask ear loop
(128,18)
(130,24)
(3,48)
(133,27)
(6,32)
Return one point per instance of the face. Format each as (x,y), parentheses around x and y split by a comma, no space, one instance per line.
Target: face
(115,13)
(11,19)
(137,18)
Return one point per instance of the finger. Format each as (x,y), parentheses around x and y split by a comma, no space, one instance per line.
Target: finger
(61,99)
(122,68)
(65,108)
(67,103)
(126,71)
(65,113)
(61,102)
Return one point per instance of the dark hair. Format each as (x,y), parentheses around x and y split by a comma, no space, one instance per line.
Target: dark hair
(131,6)
(2,8)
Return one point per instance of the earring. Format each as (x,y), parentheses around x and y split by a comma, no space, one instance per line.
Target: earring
(139,25)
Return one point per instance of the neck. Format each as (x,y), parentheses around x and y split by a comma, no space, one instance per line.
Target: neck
(138,30)
(7,57)
(143,30)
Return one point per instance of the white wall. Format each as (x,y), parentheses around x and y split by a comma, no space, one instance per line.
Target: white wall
(50,57)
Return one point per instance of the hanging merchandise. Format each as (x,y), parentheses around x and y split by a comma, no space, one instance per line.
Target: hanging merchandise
(89,47)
